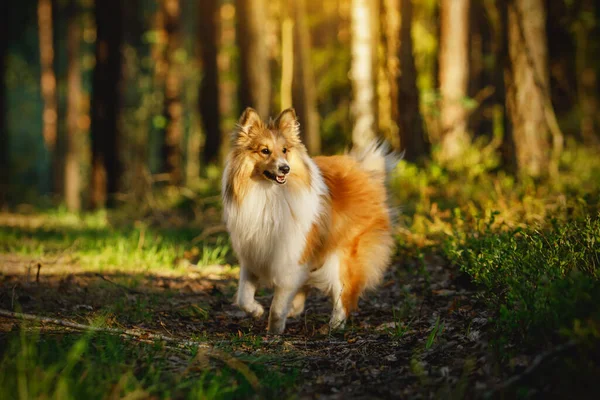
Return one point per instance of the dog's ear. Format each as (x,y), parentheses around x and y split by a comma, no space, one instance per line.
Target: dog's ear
(249,119)
(287,123)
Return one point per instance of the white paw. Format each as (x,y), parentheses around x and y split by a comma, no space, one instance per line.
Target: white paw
(338,319)
(255,310)
(276,326)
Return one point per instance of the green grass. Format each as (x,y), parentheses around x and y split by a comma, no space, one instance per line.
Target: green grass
(97,366)
(93,244)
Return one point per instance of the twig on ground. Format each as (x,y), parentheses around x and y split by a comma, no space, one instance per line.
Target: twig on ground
(538,361)
(37,276)
(135,334)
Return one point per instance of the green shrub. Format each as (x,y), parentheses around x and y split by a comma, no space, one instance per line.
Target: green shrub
(536,281)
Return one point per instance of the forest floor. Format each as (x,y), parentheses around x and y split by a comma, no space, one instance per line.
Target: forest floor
(422,334)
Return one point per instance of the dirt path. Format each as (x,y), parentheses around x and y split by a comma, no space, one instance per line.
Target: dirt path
(421,335)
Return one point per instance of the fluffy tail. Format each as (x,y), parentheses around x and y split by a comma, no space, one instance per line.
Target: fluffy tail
(377,158)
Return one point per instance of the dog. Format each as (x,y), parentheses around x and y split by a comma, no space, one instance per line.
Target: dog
(298,222)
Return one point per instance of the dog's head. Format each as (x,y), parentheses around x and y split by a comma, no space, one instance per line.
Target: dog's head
(269,146)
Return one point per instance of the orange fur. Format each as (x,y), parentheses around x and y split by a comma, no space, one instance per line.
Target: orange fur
(326,224)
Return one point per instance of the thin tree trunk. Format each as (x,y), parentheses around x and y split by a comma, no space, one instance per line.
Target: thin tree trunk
(4,153)
(304,91)
(389,71)
(106,100)
(173,109)
(527,85)
(48,87)
(287,57)
(255,78)
(362,74)
(454,74)
(410,122)
(209,87)
(72,184)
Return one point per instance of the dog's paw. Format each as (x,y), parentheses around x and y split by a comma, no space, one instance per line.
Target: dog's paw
(255,310)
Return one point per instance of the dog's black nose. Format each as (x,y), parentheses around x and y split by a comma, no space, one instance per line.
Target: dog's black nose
(285,169)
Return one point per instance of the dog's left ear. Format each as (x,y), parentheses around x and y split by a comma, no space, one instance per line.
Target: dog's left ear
(287,122)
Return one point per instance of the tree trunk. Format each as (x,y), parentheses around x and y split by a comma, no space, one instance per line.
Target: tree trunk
(255,78)
(454,74)
(173,109)
(48,87)
(304,92)
(4,153)
(73,145)
(410,123)
(106,100)
(209,87)
(527,85)
(362,74)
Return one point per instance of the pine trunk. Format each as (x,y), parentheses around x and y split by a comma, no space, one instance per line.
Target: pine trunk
(454,74)
(527,85)
(362,74)
(304,92)
(410,122)
(48,87)
(4,153)
(173,109)
(106,100)
(255,78)
(209,87)
(73,145)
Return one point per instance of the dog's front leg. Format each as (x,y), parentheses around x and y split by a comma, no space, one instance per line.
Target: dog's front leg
(245,295)
(280,307)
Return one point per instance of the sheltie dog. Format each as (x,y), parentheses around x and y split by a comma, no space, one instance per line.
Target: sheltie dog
(298,222)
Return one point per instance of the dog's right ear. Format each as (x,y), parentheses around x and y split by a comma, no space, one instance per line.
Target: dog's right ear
(249,119)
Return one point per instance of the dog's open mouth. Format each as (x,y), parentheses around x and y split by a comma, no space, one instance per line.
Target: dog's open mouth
(281,179)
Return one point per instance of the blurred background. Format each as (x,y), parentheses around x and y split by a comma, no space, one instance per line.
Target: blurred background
(103,101)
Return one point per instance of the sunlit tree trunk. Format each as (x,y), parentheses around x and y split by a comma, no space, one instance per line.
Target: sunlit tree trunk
(255,78)
(304,92)
(454,74)
(209,87)
(48,86)
(4,154)
(527,85)
(106,101)
(410,123)
(73,145)
(173,109)
(362,74)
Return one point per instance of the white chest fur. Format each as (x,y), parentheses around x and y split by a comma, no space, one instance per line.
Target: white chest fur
(270,225)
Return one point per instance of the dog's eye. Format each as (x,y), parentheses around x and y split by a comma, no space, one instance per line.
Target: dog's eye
(265,151)
(284,150)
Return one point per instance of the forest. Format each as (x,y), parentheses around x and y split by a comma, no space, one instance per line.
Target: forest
(117,274)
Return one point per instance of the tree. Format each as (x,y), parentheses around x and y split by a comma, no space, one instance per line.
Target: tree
(527,89)
(304,92)
(410,123)
(453,73)
(209,87)
(255,78)
(106,100)
(48,85)
(362,74)
(72,184)
(4,161)
(173,109)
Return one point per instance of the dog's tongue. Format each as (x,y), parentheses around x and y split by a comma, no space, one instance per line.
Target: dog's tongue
(280,178)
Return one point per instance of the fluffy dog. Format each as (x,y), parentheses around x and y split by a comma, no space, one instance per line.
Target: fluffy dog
(298,222)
